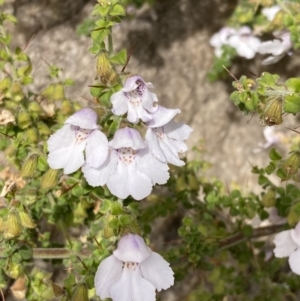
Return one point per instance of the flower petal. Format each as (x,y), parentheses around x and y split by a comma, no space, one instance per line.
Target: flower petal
(153,144)
(177,131)
(62,138)
(156,170)
(127,137)
(284,244)
(132,248)
(120,103)
(157,270)
(132,287)
(108,272)
(131,83)
(295,234)
(99,176)
(294,261)
(162,116)
(85,118)
(137,112)
(70,158)
(148,99)
(96,149)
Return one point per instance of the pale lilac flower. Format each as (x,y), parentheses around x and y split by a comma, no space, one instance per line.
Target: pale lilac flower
(244,42)
(80,132)
(165,137)
(288,245)
(278,48)
(130,169)
(133,272)
(221,38)
(135,99)
(271,12)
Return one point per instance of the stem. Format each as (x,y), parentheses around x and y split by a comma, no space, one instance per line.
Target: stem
(52,253)
(240,237)
(110,43)
(13,69)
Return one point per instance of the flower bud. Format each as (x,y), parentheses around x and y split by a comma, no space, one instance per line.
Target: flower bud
(34,107)
(16,91)
(107,230)
(14,270)
(105,71)
(32,134)
(291,164)
(43,128)
(29,167)
(5,84)
(48,91)
(24,120)
(12,225)
(80,293)
(59,92)
(26,220)
(272,113)
(49,179)
(66,107)
(268,199)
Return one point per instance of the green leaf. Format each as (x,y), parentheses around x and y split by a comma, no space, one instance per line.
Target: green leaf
(26,80)
(69,283)
(117,10)
(120,58)
(95,49)
(116,208)
(114,223)
(69,82)
(103,10)
(274,155)
(294,84)
(99,34)
(292,104)
(125,219)
(105,206)
(270,168)
(11,18)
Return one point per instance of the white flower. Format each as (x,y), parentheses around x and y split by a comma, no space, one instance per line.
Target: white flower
(271,12)
(135,99)
(165,137)
(133,272)
(129,169)
(221,38)
(288,245)
(79,133)
(244,42)
(278,48)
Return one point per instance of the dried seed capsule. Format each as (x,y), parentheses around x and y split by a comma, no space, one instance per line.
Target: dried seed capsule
(291,164)
(80,293)
(24,120)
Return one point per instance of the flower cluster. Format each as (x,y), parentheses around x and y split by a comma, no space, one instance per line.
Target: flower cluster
(247,44)
(128,164)
(133,272)
(288,245)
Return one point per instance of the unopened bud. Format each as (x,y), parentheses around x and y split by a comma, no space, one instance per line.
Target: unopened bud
(105,71)
(5,84)
(59,92)
(291,164)
(35,109)
(29,167)
(14,270)
(48,91)
(49,179)
(268,199)
(272,113)
(43,128)
(12,225)
(80,293)
(108,232)
(33,135)
(26,220)
(24,120)
(16,91)
(66,107)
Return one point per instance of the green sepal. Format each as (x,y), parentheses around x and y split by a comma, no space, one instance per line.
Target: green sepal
(274,155)
(117,10)
(120,58)
(292,104)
